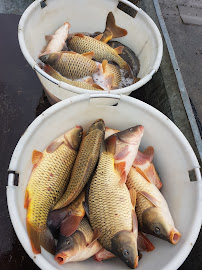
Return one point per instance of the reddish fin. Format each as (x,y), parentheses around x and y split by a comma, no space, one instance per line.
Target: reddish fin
(54,145)
(97,233)
(149,197)
(47,241)
(36,156)
(133,196)
(109,81)
(27,200)
(121,168)
(122,154)
(89,55)
(143,174)
(70,224)
(151,174)
(48,69)
(149,152)
(103,254)
(104,65)
(34,239)
(135,222)
(89,80)
(143,243)
(79,35)
(119,49)
(97,86)
(113,28)
(98,37)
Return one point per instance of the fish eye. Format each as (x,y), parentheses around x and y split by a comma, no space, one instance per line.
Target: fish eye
(157,230)
(125,253)
(68,243)
(131,129)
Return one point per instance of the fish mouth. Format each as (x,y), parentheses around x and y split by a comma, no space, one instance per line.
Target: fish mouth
(136,262)
(174,237)
(61,258)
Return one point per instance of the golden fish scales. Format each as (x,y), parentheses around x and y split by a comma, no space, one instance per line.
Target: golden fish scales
(81,173)
(102,50)
(47,183)
(110,207)
(85,228)
(137,182)
(74,66)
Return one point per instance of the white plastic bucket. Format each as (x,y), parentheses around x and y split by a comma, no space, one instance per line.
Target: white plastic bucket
(174,159)
(90,16)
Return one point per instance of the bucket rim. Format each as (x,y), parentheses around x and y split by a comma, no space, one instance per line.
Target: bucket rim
(40,260)
(78,90)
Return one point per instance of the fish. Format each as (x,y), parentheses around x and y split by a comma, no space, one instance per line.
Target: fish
(70,64)
(47,183)
(124,146)
(85,163)
(143,244)
(57,41)
(143,164)
(79,246)
(111,212)
(83,44)
(81,84)
(152,210)
(129,57)
(66,220)
(111,75)
(112,30)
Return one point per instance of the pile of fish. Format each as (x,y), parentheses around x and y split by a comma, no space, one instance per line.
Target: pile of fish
(87,61)
(93,193)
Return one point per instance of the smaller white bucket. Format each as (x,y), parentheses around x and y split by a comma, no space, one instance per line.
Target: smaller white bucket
(173,159)
(90,16)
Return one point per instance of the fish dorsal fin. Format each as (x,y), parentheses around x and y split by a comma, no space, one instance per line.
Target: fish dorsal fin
(49,37)
(89,55)
(135,222)
(54,145)
(149,197)
(79,35)
(98,37)
(143,243)
(133,196)
(119,49)
(97,86)
(96,234)
(104,65)
(122,154)
(36,156)
(120,167)
(143,174)
(70,224)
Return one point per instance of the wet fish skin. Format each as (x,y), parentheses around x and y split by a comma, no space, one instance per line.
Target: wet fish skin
(70,64)
(152,209)
(57,41)
(80,246)
(47,183)
(82,44)
(85,162)
(111,212)
(81,84)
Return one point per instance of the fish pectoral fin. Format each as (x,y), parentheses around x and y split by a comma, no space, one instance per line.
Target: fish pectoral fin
(153,200)
(143,243)
(36,156)
(143,174)
(49,38)
(144,157)
(120,167)
(89,55)
(79,35)
(47,241)
(96,234)
(119,49)
(152,175)
(97,86)
(70,224)
(149,153)
(34,238)
(122,154)
(133,196)
(104,65)
(135,222)
(98,37)
(54,145)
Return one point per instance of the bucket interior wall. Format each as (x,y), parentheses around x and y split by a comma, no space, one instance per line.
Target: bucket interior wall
(173,160)
(90,16)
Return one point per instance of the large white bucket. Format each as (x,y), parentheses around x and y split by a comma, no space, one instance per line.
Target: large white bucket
(90,16)
(174,159)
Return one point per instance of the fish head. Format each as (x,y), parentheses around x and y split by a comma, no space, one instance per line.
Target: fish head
(98,124)
(69,246)
(124,246)
(131,135)
(73,137)
(155,223)
(50,58)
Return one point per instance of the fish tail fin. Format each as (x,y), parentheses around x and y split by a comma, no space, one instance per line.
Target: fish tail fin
(34,238)
(115,30)
(144,244)
(47,241)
